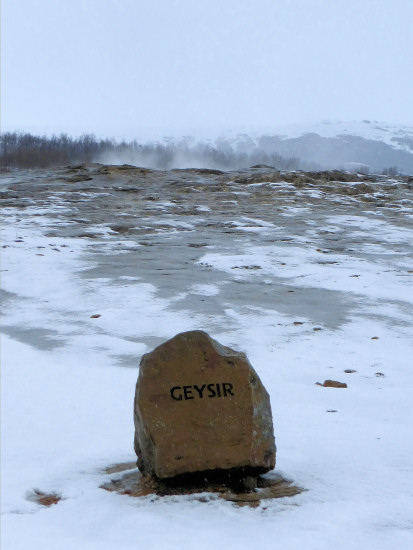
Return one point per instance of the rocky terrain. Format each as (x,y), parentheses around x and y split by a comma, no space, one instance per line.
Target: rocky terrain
(309,273)
(158,226)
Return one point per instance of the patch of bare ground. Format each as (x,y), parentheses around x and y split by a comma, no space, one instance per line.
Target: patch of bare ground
(300,178)
(243,490)
(44,499)
(114,169)
(332,384)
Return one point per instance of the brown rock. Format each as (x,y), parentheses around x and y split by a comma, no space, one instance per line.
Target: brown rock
(201,406)
(332,384)
(45,499)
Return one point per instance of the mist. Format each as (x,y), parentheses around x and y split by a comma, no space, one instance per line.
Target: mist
(192,154)
(23,150)
(307,152)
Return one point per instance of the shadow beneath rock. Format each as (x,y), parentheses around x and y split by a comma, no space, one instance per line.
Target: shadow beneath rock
(233,486)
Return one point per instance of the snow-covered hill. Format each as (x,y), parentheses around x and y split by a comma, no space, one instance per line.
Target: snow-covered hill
(399,137)
(371,144)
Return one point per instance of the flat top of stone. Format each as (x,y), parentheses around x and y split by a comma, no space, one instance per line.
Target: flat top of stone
(186,341)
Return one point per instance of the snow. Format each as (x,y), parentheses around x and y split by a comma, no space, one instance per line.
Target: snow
(205,290)
(367,129)
(306,268)
(67,397)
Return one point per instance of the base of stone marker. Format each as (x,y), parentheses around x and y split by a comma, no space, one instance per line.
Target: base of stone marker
(236,486)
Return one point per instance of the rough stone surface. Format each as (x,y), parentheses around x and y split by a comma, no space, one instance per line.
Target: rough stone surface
(201,406)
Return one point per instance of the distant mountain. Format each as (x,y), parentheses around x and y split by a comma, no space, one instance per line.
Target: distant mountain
(367,144)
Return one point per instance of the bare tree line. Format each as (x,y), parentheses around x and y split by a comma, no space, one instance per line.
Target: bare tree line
(24,150)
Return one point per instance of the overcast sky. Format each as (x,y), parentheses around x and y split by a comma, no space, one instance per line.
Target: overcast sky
(144,67)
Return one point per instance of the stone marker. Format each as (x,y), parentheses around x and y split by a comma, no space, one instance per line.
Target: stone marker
(201,406)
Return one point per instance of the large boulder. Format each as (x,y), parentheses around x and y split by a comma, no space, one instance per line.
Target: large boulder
(201,406)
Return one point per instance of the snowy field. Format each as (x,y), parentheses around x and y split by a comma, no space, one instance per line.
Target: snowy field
(308,280)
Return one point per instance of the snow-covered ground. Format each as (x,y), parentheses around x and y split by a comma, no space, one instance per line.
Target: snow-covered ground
(307,284)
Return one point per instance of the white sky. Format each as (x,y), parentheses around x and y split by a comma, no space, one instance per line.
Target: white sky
(140,67)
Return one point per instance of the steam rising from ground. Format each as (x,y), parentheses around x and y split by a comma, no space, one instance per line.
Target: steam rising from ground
(18,150)
(188,153)
(309,151)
